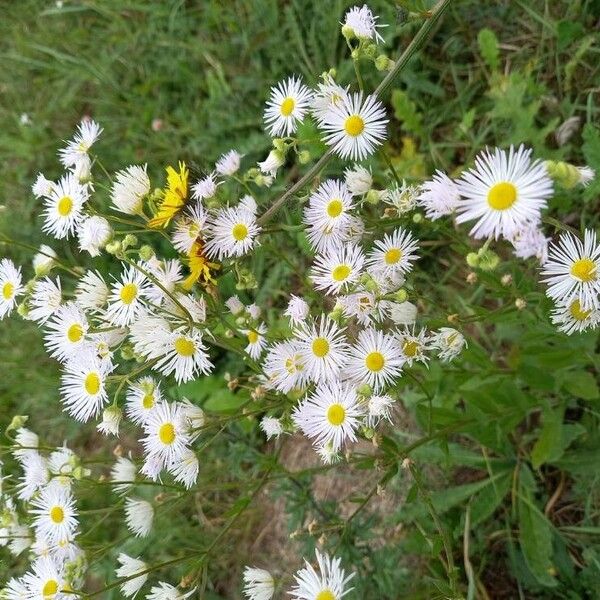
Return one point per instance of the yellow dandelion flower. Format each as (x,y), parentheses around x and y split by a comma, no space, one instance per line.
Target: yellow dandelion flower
(200,267)
(175,195)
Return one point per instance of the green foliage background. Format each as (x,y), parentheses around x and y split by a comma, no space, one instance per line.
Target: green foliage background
(518,486)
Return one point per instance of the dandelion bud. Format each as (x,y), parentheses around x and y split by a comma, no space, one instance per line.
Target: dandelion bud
(304,157)
(472,278)
(520,303)
(146,252)
(506,279)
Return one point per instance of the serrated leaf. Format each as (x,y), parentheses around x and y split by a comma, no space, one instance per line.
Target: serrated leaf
(406,112)
(488,48)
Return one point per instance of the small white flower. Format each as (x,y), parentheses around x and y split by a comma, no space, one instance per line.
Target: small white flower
(63,207)
(530,241)
(235,306)
(44,260)
(284,367)
(186,468)
(77,149)
(329,207)
(256,340)
(249,203)
(271,426)
(205,188)
(570,318)
(358,180)
(379,408)
(363,24)
(94,233)
(111,420)
(139,515)
(168,274)
(229,163)
(362,305)
(586,175)
(355,127)
(194,417)
(129,567)
(414,345)
(258,584)
(328,94)
(122,475)
(129,189)
(297,310)
(91,292)
(287,106)
(42,186)
(55,514)
(439,196)
(401,313)
(338,270)
(26,442)
(35,475)
(65,332)
(149,334)
(142,398)
(449,342)
(10,286)
(45,580)
(271,164)
(330,583)
(188,227)
(394,254)
(232,232)
(165,591)
(45,299)
(126,299)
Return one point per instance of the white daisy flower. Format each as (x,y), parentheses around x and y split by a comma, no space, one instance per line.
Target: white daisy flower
(330,583)
(355,128)
(45,299)
(188,227)
(61,463)
(229,163)
(184,355)
(249,203)
(258,584)
(168,274)
(42,187)
(439,196)
(77,149)
(45,581)
(91,292)
(232,232)
(165,591)
(358,180)
(401,313)
(328,94)
(256,340)
(26,443)
(373,359)
(287,106)
(35,475)
(142,398)
(330,415)
(570,317)
(166,435)
(205,188)
(387,282)
(530,241)
(414,345)
(111,421)
(122,475)
(379,408)
(362,305)
(572,270)
(83,392)
(448,342)
(363,24)
(284,367)
(10,286)
(253,310)
(271,426)
(129,189)
(130,567)
(126,299)
(65,332)
(297,310)
(55,513)
(149,335)
(94,233)
(194,417)
(44,260)
(196,307)
(82,171)
(327,454)
(322,349)
(21,539)
(394,254)
(586,175)
(16,589)
(139,515)
(271,164)
(402,197)
(63,207)
(235,306)
(503,192)
(329,207)
(338,270)
(186,468)
(325,240)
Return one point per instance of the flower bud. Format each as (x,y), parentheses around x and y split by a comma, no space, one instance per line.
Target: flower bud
(347,32)
(382,63)
(520,303)
(304,157)
(146,252)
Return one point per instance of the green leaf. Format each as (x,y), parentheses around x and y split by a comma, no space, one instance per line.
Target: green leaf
(549,445)
(580,384)
(406,112)
(591,152)
(488,48)
(224,401)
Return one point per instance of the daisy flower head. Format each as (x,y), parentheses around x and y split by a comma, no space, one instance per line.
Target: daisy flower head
(287,106)
(363,305)
(503,192)
(166,591)
(228,163)
(338,270)
(42,186)
(235,306)
(448,342)
(328,94)
(186,468)
(271,164)
(322,349)
(83,386)
(205,187)
(142,398)
(329,583)
(150,335)
(256,340)
(529,241)
(258,584)
(10,286)
(413,346)
(358,180)
(439,196)
(401,313)
(122,475)
(139,515)
(232,232)
(374,359)
(362,24)
(35,474)
(249,203)
(129,189)
(167,274)
(184,355)
(297,310)
(174,196)
(45,299)
(402,197)
(55,513)
(271,427)
(572,270)
(126,299)
(66,331)
(63,207)
(130,567)
(26,442)
(284,367)
(379,408)
(570,317)
(44,260)
(91,292)
(355,127)
(45,581)
(329,207)
(77,149)
(111,421)
(330,415)
(188,227)
(94,233)
(394,254)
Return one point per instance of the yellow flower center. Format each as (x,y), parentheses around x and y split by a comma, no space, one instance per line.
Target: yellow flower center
(75,333)
(65,206)
(252,337)
(336,414)
(290,365)
(392,256)
(50,588)
(340,272)
(166,433)
(287,107)
(184,347)
(577,313)
(128,293)
(325,595)
(584,269)
(410,348)
(320,347)
(239,232)
(354,125)
(8,289)
(374,361)
(335,207)
(148,401)
(502,195)
(57,514)
(92,384)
